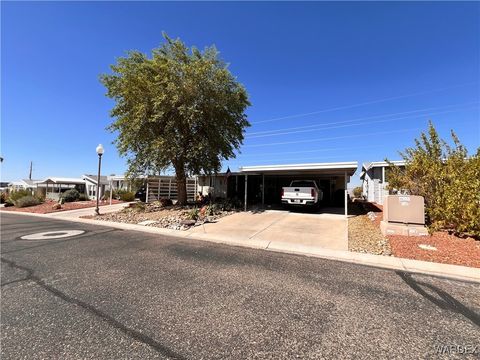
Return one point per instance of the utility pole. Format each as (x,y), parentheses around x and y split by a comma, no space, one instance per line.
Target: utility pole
(30,174)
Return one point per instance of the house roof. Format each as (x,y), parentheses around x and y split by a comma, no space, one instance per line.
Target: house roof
(30,182)
(312,168)
(93,179)
(374,164)
(62,180)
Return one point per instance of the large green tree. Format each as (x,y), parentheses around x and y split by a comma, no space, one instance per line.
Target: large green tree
(448,179)
(181,108)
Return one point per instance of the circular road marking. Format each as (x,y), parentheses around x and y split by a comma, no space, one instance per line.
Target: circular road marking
(52,235)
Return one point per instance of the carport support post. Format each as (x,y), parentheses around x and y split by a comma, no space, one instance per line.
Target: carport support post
(263,189)
(346,195)
(246,182)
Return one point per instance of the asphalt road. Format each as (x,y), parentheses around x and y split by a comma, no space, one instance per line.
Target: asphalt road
(113,294)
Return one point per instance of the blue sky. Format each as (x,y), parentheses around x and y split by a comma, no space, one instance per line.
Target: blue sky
(327,81)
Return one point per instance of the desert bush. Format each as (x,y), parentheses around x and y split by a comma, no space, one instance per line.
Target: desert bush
(3,197)
(83,197)
(114,194)
(15,195)
(165,202)
(138,206)
(229,204)
(26,201)
(193,214)
(357,192)
(126,195)
(71,195)
(448,179)
(213,209)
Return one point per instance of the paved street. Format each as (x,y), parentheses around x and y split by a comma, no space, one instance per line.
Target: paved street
(111,294)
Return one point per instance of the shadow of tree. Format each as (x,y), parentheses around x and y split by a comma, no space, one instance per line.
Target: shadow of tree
(439,297)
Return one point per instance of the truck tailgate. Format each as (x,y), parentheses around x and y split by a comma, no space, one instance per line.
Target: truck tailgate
(297,193)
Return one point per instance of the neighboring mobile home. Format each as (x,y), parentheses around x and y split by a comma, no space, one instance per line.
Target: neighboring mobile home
(375,180)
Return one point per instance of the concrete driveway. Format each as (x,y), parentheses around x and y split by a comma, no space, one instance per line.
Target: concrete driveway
(324,230)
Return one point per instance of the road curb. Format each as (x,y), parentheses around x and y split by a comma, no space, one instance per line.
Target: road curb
(455,272)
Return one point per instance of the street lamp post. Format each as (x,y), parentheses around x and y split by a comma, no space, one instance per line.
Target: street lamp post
(100,151)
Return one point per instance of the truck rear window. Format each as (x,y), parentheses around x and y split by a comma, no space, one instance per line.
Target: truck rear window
(301,183)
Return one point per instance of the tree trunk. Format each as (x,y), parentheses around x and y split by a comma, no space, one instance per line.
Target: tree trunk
(181,185)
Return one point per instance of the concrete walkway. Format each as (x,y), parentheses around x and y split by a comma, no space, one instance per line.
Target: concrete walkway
(75,214)
(294,247)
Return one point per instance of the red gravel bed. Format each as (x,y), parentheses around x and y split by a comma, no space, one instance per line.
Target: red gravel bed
(450,249)
(46,207)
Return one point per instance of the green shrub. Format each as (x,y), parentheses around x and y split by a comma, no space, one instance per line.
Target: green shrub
(126,195)
(28,200)
(213,209)
(357,192)
(71,195)
(83,197)
(15,195)
(447,178)
(3,197)
(193,214)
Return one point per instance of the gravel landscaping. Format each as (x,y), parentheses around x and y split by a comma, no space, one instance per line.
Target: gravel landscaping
(168,217)
(51,206)
(440,247)
(364,234)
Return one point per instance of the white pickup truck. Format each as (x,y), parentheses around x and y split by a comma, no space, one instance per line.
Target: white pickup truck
(302,192)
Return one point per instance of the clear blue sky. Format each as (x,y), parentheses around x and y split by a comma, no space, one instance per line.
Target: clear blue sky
(417,60)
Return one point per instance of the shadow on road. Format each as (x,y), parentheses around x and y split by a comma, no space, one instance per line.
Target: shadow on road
(439,297)
(137,335)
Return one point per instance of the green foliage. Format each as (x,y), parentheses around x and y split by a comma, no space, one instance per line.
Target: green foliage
(213,209)
(138,206)
(357,192)
(83,197)
(71,195)
(15,195)
(180,108)
(3,197)
(114,194)
(125,195)
(26,201)
(447,178)
(193,214)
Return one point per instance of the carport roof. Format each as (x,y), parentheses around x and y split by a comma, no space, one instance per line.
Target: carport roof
(337,168)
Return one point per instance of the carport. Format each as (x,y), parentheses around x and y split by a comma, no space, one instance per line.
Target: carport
(262,184)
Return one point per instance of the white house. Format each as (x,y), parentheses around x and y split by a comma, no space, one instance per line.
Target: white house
(91,185)
(24,184)
(375,180)
(55,186)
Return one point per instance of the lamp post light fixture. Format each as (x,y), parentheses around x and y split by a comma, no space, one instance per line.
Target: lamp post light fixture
(100,152)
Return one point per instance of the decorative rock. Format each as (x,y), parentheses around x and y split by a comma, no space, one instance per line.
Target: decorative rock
(147,222)
(56,206)
(187,222)
(427,247)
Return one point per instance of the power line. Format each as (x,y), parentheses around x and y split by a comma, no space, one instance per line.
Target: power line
(358,124)
(362,118)
(312,151)
(363,104)
(334,138)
